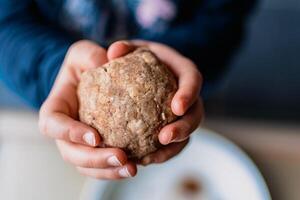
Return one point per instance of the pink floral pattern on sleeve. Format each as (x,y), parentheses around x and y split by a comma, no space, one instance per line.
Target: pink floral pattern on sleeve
(149,11)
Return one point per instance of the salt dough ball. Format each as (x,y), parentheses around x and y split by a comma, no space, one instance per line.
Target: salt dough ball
(128,101)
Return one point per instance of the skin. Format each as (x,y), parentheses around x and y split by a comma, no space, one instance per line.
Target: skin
(59,113)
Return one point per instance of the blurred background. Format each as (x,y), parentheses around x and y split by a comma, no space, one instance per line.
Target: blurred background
(264,81)
(257,107)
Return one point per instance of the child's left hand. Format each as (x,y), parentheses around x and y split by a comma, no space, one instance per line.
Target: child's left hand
(186,103)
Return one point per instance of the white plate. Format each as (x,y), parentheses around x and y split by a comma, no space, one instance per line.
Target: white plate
(225,173)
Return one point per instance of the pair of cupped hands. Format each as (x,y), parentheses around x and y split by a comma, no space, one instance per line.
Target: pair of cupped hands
(80,144)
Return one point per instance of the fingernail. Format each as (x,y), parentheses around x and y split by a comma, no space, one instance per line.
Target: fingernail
(114,161)
(178,108)
(126,43)
(124,172)
(89,139)
(182,133)
(170,137)
(146,160)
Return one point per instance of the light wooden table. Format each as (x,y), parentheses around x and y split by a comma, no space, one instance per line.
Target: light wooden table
(31,168)
(30,165)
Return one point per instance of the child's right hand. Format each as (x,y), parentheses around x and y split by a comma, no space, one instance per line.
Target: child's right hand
(59,119)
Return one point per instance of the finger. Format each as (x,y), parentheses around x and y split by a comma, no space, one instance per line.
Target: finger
(189,84)
(81,56)
(86,54)
(164,153)
(127,171)
(183,127)
(60,126)
(61,107)
(87,157)
(189,78)
(119,49)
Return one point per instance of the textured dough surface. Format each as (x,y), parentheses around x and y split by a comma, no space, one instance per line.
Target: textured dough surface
(128,101)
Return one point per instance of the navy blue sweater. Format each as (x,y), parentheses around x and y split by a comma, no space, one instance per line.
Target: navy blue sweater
(35,34)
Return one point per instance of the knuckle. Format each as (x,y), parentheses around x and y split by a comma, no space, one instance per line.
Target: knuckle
(78,45)
(92,163)
(90,50)
(71,132)
(74,48)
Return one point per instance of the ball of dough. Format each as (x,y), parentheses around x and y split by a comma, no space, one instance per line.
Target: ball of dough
(128,101)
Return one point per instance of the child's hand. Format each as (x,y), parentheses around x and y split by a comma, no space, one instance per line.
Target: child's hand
(186,103)
(59,119)
(76,141)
